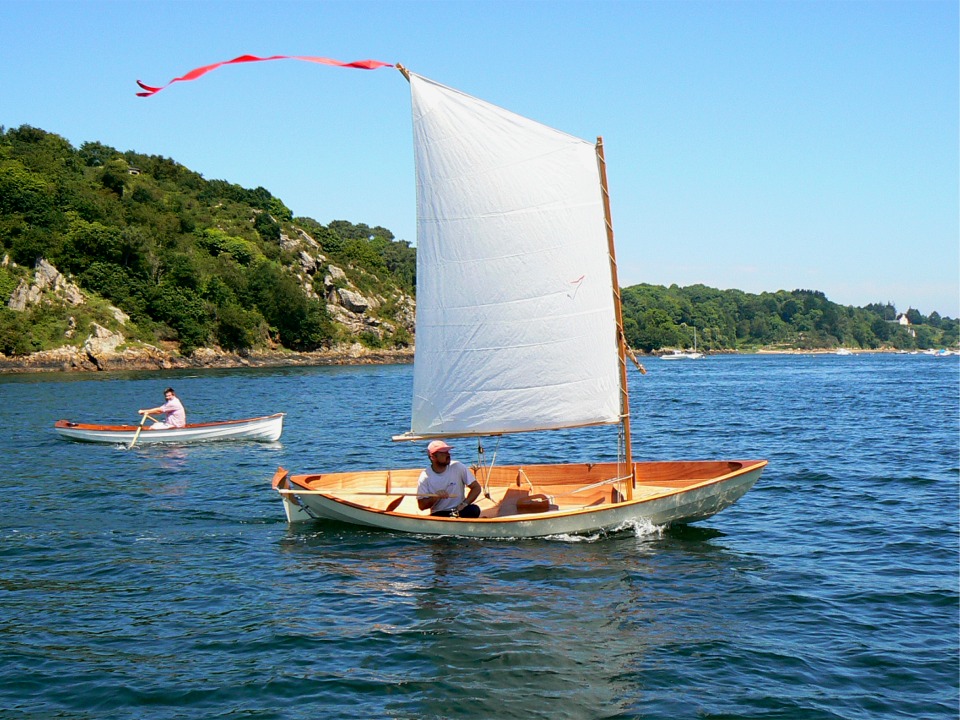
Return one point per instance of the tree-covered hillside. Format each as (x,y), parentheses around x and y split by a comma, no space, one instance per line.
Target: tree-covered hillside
(656,317)
(193,261)
(149,250)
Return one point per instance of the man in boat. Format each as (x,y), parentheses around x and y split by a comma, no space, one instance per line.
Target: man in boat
(441,486)
(174,414)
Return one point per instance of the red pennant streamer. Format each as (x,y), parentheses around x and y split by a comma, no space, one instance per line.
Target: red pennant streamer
(198,72)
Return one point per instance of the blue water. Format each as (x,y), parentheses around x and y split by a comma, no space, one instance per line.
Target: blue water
(164,582)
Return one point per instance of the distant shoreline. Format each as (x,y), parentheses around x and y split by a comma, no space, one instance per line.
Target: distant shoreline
(70,359)
(820,351)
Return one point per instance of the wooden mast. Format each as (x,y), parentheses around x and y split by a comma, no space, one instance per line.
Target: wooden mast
(621,338)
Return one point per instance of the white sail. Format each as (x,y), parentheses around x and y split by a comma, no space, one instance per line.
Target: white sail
(515,313)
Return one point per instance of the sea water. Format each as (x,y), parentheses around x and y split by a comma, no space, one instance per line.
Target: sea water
(163,582)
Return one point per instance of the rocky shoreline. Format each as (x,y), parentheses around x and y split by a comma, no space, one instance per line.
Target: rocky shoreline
(85,359)
(73,359)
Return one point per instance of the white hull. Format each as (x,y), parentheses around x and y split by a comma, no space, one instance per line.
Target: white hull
(661,502)
(682,356)
(261,429)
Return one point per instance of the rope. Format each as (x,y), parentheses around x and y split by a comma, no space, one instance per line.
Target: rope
(623,478)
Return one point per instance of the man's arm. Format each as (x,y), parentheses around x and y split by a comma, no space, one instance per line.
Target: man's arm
(428,499)
(474,493)
(425,503)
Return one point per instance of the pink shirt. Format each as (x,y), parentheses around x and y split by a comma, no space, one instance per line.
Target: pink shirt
(175,415)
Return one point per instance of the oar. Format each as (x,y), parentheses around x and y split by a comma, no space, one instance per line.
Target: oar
(137,433)
(336,493)
(393,505)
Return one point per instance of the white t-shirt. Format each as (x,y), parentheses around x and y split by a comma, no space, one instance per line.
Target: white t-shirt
(451,481)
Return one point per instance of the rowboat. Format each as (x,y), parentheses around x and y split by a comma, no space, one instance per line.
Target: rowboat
(516,269)
(261,429)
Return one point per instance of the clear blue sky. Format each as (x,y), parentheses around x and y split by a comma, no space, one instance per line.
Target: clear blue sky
(752,145)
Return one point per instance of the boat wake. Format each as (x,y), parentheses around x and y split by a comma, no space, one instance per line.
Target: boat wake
(639,527)
(642,528)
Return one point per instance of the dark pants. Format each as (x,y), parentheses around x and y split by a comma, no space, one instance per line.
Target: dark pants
(470,511)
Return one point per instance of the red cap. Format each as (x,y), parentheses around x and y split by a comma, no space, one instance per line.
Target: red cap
(438,446)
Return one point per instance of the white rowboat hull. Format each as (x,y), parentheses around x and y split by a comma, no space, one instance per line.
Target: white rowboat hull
(259,429)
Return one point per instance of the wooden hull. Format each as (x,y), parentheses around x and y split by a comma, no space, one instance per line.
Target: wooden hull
(261,429)
(583,498)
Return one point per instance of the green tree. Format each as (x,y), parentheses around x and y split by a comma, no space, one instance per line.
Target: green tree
(25,193)
(655,330)
(268,228)
(94,154)
(238,329)
(182,309)
(113,177)
(88,242)
(301,323)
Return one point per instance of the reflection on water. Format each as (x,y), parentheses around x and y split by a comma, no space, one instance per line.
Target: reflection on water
(170,458)
(490,626)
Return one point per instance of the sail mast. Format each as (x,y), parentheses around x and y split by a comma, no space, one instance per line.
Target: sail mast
(621,339)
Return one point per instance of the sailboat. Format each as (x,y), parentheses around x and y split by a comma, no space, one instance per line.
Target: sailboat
(680,355)
(515,264)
